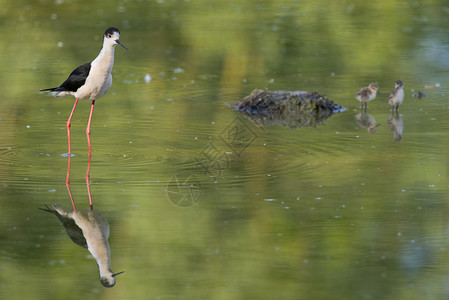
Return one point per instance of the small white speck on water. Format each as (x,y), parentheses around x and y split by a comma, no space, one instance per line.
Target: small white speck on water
(60,44)
(362,208)
(269,199)
(399,234)
(54,17)
(130,142)
(147,78)
(52,191)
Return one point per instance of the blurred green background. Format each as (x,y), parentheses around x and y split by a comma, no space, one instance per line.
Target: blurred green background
(331,211)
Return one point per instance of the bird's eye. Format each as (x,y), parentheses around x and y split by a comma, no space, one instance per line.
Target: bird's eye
(109,35)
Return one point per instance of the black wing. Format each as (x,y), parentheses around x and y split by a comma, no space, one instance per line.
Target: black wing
(73,231)
(76,79)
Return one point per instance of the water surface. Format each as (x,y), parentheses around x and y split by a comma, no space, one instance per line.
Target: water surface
(202,202)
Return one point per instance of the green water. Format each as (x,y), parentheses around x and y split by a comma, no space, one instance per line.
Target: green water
(202,202)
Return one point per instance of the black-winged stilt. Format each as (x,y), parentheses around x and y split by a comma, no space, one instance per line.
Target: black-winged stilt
(91,80)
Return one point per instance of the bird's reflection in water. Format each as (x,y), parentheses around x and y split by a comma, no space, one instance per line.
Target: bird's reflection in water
(366,121)
(88,229)
(396,125)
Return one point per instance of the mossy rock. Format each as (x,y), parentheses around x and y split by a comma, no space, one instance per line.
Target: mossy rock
(266,102)
(288,108)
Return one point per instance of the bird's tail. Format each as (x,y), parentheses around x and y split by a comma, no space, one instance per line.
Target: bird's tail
(50,89)
(47,209)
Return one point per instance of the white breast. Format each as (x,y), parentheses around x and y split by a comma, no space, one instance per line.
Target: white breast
(99,80)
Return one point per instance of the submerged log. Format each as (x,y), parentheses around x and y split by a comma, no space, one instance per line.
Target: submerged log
(288,108)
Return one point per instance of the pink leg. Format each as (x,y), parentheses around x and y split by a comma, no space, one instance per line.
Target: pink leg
(90,155)
(88,184)
(69,121)
(67,184)
(88,127)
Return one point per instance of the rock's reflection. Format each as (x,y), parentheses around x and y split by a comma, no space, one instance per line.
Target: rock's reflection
(396,125)
(290,120)
(88,229)
(365,120)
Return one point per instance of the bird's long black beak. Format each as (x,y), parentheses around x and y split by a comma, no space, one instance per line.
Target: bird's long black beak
(118,42)
(115,274)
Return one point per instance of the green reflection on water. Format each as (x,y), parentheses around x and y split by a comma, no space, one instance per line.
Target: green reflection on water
(331,211)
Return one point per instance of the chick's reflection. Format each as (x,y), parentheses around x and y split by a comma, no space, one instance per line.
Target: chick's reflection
(396,125)
(364,120)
